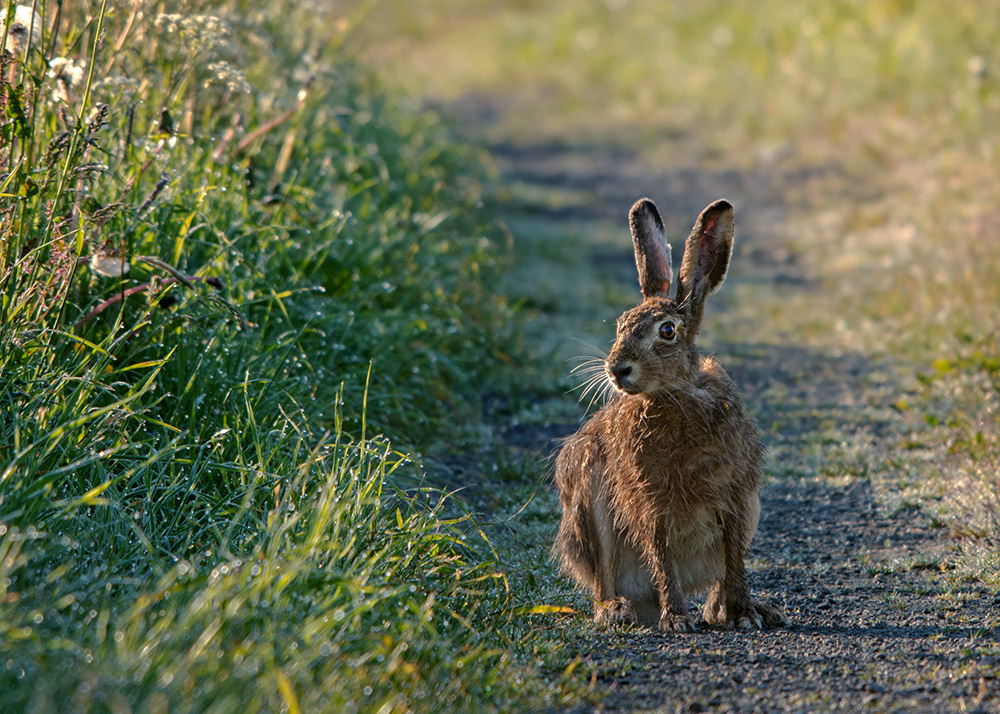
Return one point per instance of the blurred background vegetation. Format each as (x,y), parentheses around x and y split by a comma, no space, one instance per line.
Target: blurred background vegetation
(858,141)
(260,300)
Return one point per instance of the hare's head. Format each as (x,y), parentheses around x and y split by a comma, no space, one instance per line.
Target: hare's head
(654,348)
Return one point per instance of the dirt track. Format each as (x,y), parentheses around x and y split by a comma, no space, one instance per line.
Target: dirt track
(878,622)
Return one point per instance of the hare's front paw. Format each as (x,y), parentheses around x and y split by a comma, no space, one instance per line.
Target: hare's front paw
(751,615)
(676,622)
(616,611)
(769,614)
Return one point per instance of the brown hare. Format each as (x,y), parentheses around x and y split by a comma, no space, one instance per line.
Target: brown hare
(659,488)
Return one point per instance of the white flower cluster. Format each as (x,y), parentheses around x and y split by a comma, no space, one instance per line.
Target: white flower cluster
(229,75)
(66,75)
(117,85)
(198,33)
(211,38)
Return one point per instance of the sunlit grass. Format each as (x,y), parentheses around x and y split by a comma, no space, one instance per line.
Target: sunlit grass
(240,284)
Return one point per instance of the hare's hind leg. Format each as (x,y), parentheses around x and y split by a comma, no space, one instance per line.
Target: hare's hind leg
(586,558)
(585,544)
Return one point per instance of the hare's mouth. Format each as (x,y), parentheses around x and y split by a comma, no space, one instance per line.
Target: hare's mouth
(627,387)
(623,377)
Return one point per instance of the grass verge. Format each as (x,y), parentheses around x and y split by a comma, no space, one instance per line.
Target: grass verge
(229,258)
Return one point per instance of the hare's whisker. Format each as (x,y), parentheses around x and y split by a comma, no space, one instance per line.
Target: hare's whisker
(584,389)
(600,395)
(591,385)
(588,366)
(591,346)
(594,376)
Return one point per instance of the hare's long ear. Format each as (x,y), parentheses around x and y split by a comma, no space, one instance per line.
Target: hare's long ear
(706,261)
(652,252)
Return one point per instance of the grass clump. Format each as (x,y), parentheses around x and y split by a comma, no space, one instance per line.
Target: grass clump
(212,229)
(344,594)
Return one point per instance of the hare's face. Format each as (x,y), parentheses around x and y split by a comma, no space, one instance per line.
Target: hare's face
(652,351)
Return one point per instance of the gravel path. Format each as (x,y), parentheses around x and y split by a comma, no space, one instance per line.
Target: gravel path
(879,623)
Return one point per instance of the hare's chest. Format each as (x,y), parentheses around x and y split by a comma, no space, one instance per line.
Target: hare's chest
(695,527)
(686,477)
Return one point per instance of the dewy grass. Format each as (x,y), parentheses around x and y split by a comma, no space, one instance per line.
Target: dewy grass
(210,301)
(342,592)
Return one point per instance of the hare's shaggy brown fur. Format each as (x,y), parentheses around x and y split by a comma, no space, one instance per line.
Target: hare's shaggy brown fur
(659,488)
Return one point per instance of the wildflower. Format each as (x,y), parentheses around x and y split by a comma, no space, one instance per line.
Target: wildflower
(66,74)
(229,75)
(199,34)
(168,22)
(24,26)
(116,86)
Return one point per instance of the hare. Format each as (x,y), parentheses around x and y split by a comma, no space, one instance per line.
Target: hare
(659,488)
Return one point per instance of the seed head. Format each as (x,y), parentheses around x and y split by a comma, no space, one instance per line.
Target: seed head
(23,26)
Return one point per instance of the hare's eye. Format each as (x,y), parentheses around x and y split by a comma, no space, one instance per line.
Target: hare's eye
(668,331)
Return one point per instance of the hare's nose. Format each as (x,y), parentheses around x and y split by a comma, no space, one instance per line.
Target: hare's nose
(621,371)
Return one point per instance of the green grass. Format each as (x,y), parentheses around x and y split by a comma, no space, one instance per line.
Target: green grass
(241,287)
